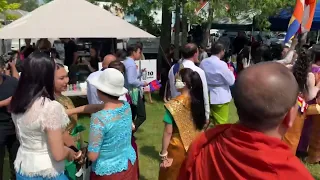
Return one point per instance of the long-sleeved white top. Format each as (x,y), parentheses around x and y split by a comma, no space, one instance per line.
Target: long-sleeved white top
(219,78)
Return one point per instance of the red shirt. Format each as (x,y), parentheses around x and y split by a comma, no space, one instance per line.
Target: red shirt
(234,152)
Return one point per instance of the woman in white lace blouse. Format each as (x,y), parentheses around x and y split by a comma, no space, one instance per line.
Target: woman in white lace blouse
(40,122)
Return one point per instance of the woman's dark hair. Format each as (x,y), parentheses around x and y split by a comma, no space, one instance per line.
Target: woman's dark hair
(121,54)
(109,96)
(316,53)
(36,80)
(300,70)
(276,50)
(263,53)
(194,84)
(96,57)
(118,65)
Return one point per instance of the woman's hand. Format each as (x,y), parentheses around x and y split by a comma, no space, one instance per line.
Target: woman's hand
(133,127)
(86,109)
(71,155)
(78,155)
(166,162)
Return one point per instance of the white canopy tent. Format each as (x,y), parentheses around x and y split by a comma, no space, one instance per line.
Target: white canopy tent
(71,19)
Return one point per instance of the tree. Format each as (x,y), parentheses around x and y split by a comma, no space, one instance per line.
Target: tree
(92,1)
(143,11)
(4,6)
(26,5)
(46,1)
(233,9)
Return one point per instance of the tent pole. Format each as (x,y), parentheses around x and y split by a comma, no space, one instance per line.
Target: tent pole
(3,49)
(252,29)
(318,37)
(19,44)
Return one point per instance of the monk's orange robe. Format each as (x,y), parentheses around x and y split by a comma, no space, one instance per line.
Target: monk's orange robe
(234,152)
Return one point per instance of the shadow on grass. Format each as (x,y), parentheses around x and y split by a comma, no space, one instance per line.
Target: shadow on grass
(150,151)
(156,97)
(142,178)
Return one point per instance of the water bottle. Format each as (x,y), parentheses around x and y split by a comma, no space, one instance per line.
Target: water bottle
(78,86)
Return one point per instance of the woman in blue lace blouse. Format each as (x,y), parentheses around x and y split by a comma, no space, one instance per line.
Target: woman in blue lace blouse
(110,147)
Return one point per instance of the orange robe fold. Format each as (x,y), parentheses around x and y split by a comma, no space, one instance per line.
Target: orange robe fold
(234,152)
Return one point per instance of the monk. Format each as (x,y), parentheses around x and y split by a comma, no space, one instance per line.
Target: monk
(252,148)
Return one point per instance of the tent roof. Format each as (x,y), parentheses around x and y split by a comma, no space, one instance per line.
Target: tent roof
(71,19)
(280,21)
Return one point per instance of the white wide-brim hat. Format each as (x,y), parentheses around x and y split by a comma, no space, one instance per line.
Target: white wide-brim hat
(111,82)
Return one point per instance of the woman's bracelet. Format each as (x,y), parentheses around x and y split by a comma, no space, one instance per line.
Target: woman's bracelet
(163,155)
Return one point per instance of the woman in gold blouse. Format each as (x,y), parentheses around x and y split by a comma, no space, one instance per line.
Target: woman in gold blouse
(72,137)
(184,118)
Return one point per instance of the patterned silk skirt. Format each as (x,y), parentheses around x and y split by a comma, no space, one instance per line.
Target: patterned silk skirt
(306,132)
(314,143)
(292,137)
(130,174)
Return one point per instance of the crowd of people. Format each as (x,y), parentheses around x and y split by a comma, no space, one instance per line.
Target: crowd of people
(42,134)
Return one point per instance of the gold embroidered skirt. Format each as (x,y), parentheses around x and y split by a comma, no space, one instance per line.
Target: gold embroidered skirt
(176,151)
(314,143)
(292,137)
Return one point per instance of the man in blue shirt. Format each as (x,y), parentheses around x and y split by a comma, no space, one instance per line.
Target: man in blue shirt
(134,85)
(219,78)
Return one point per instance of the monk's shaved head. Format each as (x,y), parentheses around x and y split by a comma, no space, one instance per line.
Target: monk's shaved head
(264,93)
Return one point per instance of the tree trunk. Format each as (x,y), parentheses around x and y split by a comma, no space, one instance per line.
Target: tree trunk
(207,26)
(165,37)
(177,30)
(184,25)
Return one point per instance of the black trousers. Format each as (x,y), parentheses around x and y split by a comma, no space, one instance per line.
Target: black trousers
(139,112)
(12,144)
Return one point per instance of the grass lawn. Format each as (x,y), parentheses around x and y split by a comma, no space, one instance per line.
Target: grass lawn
(149,141)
